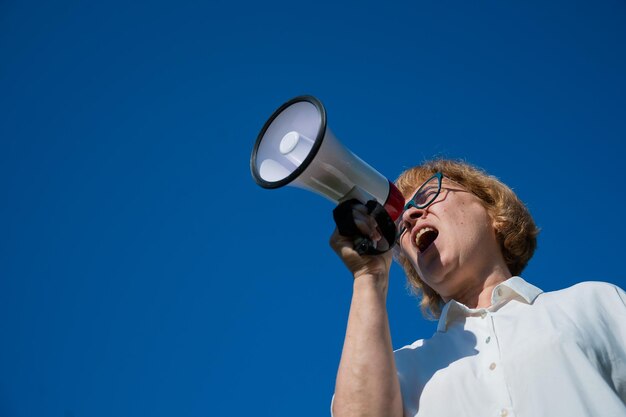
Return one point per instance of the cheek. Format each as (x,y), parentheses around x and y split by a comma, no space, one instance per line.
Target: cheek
(469,222)
(458,220)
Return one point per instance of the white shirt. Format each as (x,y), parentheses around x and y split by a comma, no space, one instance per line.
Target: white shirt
(530,354)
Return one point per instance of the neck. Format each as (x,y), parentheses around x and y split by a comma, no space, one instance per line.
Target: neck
(476,292)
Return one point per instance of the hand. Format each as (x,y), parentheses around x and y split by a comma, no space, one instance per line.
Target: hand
(377,265)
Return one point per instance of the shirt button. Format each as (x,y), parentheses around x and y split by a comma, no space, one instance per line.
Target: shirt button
(492,366)
(504,413)
(483,314)
(488,339)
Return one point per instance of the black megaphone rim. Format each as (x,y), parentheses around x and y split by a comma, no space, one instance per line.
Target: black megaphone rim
(309,158)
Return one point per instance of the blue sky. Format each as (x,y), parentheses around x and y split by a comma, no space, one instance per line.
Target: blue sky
(143,272)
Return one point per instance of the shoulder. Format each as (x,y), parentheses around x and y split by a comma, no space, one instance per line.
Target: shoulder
(409,353)
(589,290)
(423,348)
(586,297)
(408,348)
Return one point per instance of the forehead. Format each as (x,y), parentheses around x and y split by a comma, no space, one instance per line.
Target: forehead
(417,181)
(422,181)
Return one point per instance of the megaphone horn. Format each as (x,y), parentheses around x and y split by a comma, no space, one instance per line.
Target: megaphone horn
(295,147)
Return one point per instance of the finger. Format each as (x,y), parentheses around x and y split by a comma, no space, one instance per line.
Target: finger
(367,225)
(339,241)
(361,208)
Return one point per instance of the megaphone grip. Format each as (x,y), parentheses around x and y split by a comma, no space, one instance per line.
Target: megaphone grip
(344,219)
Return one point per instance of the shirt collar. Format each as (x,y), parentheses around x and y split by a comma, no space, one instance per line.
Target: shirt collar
(512,288)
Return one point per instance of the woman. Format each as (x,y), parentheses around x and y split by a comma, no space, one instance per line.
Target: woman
(502,347)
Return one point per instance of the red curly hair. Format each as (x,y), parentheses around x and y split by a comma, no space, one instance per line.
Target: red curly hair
(515,229)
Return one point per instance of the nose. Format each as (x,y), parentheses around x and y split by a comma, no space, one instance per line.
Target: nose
(411,214)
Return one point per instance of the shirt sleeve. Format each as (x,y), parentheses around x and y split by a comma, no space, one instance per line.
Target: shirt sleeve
(618,348)
(622,295)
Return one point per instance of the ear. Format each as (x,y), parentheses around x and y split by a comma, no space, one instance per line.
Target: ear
(498,226)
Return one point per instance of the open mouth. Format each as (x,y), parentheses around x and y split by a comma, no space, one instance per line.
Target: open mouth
(425,237)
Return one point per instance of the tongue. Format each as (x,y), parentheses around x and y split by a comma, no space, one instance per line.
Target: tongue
(426,240)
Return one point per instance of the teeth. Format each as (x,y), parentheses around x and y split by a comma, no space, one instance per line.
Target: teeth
(421,232)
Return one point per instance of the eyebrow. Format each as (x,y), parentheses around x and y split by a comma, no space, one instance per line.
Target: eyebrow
(423,190)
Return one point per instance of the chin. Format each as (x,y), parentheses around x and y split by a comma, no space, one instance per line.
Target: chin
(435,273)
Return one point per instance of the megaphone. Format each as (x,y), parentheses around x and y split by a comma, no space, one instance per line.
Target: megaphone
(295,147)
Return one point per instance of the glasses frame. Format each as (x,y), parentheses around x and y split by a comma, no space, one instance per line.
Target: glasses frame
(412,203)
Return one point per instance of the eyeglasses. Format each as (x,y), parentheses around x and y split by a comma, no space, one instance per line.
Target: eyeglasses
(426,194)
(423,197)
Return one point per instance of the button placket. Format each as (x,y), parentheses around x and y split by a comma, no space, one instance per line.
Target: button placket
(490,348)
(489,351)
(493,347)
(496,370)
(504,412)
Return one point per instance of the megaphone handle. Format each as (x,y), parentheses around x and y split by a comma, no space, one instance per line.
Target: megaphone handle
(364,246)
(344,219)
